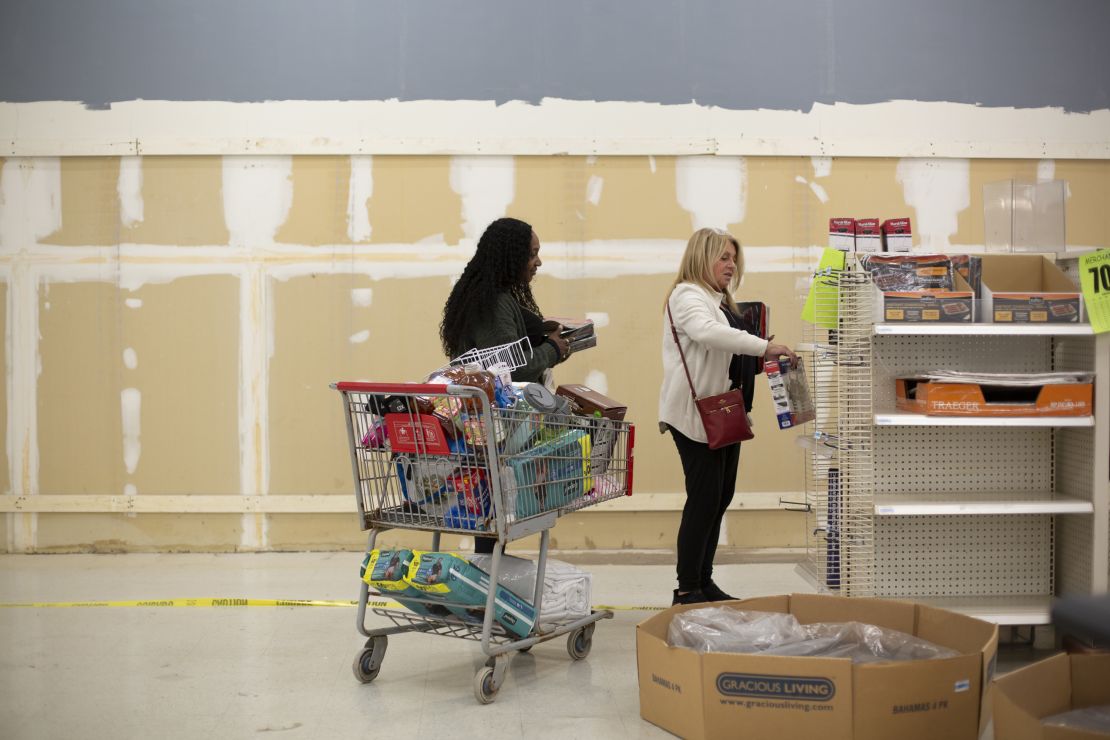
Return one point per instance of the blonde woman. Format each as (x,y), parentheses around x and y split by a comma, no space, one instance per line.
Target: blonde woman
(706,319)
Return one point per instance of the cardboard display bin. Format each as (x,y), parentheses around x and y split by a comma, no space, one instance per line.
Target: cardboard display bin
(734,695)
(916,395)
(1028,289)
(1024,698)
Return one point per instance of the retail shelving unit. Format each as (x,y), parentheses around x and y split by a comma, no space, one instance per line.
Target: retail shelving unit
(989,516)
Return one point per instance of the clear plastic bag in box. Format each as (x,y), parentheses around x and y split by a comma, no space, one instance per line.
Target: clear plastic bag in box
(728,630)
(1095,718)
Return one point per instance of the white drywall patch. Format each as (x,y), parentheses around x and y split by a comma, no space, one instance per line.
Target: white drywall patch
(30,201)
(256,331)
(362,296)
(130,359)
(130,490)
(822,166)
(593,189)
(819,192)
(596,379)
(712,189)
(486,186)
(651,163)
(131,412)
(360,337)
(130,187)
(359,192)
(1046,170)
(599,318)
(257,195)
(133,303)
(938,189)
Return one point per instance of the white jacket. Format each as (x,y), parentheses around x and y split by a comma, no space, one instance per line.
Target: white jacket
(709,344)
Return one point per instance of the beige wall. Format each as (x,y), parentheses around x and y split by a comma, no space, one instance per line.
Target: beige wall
(229,342)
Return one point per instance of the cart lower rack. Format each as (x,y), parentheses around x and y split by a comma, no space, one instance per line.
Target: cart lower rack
(445,458)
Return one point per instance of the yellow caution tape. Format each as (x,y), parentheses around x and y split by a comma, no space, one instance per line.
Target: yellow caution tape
(237,602)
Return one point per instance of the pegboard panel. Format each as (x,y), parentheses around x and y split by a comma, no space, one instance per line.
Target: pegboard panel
(897,356)
(963,556)
(1075,462)
(922,460)
(1073,554)
(1075,353)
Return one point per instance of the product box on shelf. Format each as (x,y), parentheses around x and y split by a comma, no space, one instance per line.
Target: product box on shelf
(842,234)
(869,236)
(1028,289)
(1028,700)
(923,395)
(919,288)
(897,236)
(735,695)
(790,393)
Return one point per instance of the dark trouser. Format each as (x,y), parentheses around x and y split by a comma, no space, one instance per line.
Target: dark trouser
(710,483)
(484,545)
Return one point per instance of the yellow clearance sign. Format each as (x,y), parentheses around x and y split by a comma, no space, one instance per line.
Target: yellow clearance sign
(1094,280)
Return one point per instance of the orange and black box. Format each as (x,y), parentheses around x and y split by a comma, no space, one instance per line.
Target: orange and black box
(917,395)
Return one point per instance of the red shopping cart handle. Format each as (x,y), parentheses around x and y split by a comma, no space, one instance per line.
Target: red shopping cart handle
(410,388)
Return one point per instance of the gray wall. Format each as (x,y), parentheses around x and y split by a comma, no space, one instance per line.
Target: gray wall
(741,54)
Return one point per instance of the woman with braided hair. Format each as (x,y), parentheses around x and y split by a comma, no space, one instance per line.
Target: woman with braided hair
(492,305)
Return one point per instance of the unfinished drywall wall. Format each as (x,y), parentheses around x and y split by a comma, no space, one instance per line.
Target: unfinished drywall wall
(195,361)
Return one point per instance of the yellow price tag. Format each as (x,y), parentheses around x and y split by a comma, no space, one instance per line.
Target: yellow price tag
(1094,280)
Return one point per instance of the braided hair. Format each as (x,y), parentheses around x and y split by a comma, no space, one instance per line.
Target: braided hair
(498,266)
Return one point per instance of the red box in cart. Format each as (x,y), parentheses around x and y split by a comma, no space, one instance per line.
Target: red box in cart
(416,433)
(842,234)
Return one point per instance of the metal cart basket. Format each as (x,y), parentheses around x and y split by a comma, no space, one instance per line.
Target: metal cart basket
(443,458)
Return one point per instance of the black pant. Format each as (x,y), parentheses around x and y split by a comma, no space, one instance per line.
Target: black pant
(710,484)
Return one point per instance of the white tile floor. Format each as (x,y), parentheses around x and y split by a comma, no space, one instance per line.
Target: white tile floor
(240,672)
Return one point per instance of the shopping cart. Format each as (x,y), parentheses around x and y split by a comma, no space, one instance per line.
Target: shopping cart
(443,458)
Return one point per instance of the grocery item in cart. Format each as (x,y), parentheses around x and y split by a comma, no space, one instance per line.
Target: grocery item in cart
(566,589)
(552,474)
(586,401)
(427,481)
(386,570)
(462,588)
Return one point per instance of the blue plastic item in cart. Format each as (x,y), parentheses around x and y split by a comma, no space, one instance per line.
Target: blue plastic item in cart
(463,588)
(552,474)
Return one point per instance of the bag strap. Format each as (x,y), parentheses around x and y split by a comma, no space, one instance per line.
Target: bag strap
(674,333)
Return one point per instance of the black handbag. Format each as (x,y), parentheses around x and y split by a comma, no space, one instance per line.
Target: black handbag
(724,417)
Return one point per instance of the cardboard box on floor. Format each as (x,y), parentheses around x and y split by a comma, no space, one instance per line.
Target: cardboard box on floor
(732,695)
(1023,698)
(1028,288)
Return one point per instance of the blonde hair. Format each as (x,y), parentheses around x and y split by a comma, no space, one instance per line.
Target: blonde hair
(702,251)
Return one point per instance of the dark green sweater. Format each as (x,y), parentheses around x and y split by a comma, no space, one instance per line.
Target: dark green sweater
(504,323)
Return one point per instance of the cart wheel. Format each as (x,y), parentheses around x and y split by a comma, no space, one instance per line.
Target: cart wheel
(580,641)
(368,662)
(484,688)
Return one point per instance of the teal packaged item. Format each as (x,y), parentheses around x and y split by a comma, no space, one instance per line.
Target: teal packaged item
(387,570)
(552,474)
(463,588)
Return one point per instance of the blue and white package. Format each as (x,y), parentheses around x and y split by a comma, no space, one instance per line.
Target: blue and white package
(462,588)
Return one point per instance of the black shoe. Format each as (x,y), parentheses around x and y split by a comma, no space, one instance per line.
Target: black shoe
(713,593)
(692,597)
